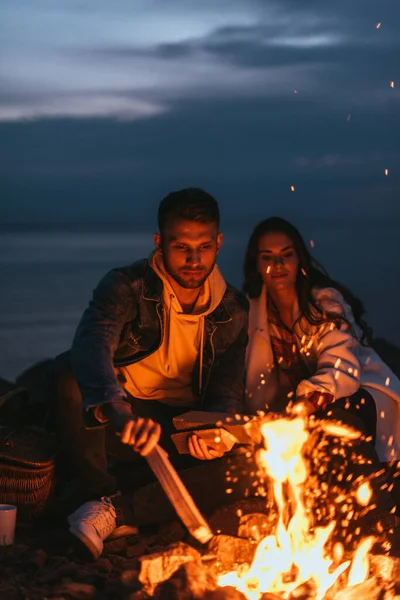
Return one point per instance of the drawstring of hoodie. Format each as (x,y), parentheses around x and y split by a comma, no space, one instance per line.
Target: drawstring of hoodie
(201,356)
(167,328)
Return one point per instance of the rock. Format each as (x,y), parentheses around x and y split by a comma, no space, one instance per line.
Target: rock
(117,561)
(117,546)
(231,551)
(78,591)
(190,582)
(158,567)
(169,533)
(137,549)
(57,574)
(39,558)
(130,578)
(98,580)
(129,564)
(226,519)
(254,526)
(103,565)
(139,595)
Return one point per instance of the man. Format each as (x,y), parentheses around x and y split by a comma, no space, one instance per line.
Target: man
(160,337)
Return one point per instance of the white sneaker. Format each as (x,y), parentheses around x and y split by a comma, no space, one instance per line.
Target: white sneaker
(92,523)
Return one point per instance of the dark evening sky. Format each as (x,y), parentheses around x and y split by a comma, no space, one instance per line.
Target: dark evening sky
(107,106)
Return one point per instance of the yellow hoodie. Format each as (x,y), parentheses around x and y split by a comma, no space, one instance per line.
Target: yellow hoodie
(167,374)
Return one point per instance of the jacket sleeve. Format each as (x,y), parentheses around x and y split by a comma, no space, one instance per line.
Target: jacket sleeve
(338,367)
(225,391)
(96,339)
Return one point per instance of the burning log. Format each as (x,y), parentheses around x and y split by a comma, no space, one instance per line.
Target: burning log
(231,551)
(370,589)
(254,526)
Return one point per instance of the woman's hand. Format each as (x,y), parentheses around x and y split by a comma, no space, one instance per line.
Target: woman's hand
(303,408)
(199,449)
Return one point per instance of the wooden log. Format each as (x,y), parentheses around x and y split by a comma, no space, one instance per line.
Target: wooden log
(178,495)
(218,439)
(245,429)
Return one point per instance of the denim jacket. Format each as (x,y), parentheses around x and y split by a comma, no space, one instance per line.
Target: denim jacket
(124,324)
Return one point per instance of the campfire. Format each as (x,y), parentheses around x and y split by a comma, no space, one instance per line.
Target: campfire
(294,561)
(316,545)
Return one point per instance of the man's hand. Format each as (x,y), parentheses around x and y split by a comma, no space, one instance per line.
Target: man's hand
(141,433)
(199,449)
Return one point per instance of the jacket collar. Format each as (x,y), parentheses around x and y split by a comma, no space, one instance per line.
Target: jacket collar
(152,285)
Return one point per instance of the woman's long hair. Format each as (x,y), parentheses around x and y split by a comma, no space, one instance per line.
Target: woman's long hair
(311,275)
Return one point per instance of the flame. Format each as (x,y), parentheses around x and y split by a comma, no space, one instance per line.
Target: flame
(360,565)
(295,554)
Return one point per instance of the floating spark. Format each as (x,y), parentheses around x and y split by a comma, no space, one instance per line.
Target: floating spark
(364,494)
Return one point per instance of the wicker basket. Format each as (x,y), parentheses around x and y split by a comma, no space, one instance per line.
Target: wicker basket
(26,470)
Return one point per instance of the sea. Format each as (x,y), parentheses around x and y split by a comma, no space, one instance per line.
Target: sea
(48,275)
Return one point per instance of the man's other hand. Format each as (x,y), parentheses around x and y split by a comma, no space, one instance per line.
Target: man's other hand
(141,433)
(199,449)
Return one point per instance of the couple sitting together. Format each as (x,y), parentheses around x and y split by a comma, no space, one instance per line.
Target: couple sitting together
(167,334)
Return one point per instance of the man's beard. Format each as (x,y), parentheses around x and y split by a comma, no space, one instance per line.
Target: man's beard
(186,281)
(191,283)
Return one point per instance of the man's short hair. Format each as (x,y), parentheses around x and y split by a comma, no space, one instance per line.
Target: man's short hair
(190,204)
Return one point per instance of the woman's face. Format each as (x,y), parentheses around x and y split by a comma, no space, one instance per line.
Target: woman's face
(277,261)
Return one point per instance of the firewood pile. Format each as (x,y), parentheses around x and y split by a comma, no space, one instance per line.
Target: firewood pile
(166,564)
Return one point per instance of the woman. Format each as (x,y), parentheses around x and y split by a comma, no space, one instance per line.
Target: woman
(308,341)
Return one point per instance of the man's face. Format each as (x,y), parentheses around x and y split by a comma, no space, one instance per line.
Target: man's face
(189,251)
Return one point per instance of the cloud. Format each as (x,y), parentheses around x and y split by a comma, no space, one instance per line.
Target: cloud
(244,98)
(136,60)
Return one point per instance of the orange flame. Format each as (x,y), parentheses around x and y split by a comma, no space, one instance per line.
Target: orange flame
(296,553)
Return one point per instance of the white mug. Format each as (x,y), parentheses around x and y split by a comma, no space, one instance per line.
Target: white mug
(8,518)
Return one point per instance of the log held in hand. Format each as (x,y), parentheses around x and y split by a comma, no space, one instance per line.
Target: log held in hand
(178,495)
